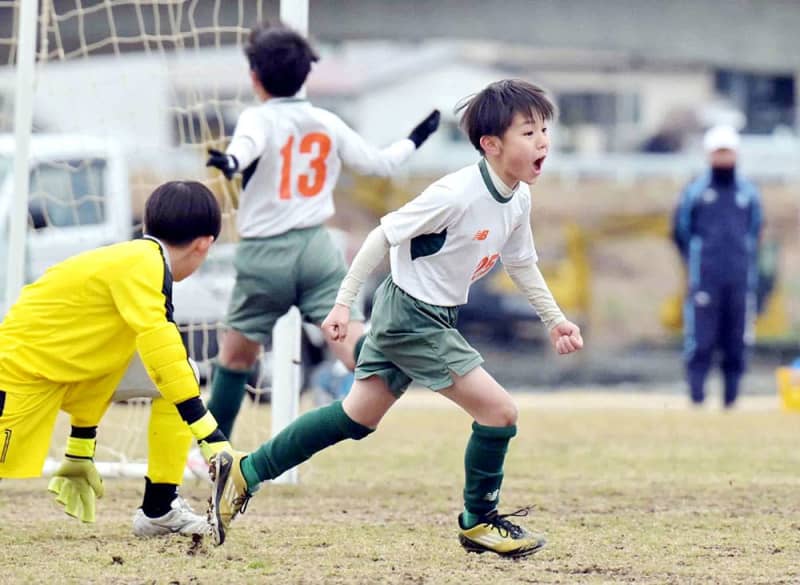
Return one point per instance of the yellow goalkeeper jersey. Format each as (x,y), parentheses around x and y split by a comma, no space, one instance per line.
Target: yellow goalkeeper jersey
(85,317)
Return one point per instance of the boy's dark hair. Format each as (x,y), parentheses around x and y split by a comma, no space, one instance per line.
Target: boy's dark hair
(177,212)
(280,57)
(491,111)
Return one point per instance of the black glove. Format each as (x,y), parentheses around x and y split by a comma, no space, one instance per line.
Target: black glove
(425,128)
(227,163)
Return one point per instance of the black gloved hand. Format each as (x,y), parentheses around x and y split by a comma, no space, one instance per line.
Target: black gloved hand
(425,128)
(227,163)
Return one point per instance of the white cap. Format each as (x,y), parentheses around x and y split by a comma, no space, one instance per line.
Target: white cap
(720,137)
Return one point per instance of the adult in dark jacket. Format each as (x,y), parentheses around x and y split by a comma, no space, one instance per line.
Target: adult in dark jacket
(717,228)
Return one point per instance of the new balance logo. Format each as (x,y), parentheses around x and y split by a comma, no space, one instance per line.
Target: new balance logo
(491,496)
(481,235)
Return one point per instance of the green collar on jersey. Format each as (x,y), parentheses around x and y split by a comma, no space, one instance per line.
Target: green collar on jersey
(487,180)
(285,100)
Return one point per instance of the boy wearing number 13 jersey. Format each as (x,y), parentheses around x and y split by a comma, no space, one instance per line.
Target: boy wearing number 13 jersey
(290,154)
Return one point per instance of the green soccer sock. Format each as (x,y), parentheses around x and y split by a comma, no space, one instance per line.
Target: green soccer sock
(468,519)
(312,432)
(250,474)
(227,392)
(483,466)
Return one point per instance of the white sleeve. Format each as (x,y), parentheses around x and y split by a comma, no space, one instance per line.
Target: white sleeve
(530,281)
(429,213)
(249,138)
(369,256)
(366,159)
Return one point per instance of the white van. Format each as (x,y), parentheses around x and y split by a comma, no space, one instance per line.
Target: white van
(79,199)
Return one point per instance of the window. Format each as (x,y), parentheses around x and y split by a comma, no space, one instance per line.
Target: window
(452,130)
(767,101)
(614,116)
(68,193)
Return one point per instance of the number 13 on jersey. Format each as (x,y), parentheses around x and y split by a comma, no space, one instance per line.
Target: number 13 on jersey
(316,144)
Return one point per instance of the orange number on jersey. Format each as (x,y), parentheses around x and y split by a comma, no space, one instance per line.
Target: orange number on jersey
(484,266)
(307,186)
(286,169)
(323,144)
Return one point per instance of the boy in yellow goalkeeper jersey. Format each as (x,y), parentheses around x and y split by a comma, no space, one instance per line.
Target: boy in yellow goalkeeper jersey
(67,342)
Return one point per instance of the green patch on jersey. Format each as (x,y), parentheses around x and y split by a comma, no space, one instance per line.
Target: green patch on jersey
(427,244)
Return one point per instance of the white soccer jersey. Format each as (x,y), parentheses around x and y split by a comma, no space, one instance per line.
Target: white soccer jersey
(290,154)
(455,232)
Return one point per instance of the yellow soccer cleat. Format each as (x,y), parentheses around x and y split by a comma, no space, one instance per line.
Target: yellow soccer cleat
(494,533)
(229,493)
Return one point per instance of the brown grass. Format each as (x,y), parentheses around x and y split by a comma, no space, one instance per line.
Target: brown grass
(628,489)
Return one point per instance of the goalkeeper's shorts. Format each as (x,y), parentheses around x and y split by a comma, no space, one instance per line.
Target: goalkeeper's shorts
(28,415)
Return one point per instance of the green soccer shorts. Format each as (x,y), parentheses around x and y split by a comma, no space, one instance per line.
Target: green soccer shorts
(301,267)
(411,340)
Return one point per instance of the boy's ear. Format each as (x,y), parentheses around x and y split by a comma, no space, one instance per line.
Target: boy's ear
(490,144)
(203,243)
(257,85)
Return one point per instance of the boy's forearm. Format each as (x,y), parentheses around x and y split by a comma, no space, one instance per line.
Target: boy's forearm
(164,357)
(372,252)
(201,422)
(244,149)
(530,281)
(381,162)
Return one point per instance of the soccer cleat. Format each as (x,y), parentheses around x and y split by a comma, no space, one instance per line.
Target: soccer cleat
(180,519)
(229,493)
(494,533)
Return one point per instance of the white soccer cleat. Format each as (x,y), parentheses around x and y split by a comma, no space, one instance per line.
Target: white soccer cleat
(181,519)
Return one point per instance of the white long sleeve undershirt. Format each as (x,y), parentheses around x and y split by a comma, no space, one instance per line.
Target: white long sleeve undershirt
(371,254)
(530,282)
(499,184)
(528,278)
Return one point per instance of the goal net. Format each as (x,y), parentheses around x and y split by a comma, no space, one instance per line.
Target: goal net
(128,94)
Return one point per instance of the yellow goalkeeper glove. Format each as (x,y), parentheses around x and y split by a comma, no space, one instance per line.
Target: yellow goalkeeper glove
(210,449)
(76,484)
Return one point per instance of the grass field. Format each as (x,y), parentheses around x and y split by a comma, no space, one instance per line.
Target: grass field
(628,489)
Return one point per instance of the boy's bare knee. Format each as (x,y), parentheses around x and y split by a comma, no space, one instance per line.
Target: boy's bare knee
(508,415)
(504,415)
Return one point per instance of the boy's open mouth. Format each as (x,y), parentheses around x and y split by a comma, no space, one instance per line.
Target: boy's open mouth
(537,164)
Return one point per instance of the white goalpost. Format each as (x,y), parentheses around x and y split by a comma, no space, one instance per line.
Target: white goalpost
(286,337)
(111,98)
(23,119)
(286,343)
